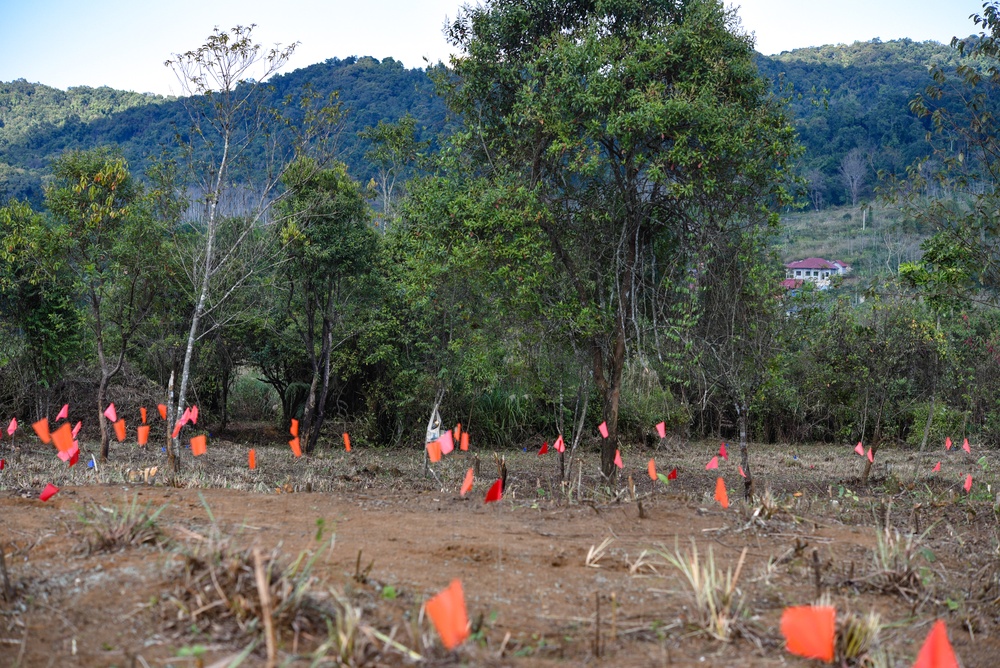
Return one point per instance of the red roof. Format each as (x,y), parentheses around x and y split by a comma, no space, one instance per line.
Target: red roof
(792,283)
(811,263)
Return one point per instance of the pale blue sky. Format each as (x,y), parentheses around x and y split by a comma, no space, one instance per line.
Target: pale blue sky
(123,43)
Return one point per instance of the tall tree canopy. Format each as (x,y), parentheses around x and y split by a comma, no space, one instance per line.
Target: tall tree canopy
(628,134)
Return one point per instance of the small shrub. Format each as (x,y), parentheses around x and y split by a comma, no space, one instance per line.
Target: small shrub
(117,528)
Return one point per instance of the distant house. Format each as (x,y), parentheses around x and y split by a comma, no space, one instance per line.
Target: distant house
(813,269)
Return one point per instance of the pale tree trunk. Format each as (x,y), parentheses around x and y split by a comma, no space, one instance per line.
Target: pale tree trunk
(173,463)
(748,493)
(102,394)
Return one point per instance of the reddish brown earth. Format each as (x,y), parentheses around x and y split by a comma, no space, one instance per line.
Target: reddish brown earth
(521,562)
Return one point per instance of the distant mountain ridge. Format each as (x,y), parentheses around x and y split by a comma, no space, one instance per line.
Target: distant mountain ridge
(842,97)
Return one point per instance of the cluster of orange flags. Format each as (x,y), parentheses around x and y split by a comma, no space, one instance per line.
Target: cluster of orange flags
(810,632)
(448,614)
(967,485)
(445,443)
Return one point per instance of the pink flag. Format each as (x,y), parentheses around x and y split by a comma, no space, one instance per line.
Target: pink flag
(712,464)
(860,449)
(937,467)
(12,427)
(603,428)
(194,415)
(871,457)
(947,443)
(111,413)
(965,446)
(723,453)
(186,417)
(63,413)
(559,445)
(76,429)
(447,442)
(742,473)
(618,459)
(968,483)
(661,429)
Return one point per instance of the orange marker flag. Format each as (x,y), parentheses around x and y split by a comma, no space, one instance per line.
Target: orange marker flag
(295,446)
(347,442)
(713,463)
(163,411)
(294,429)
(467,483)
(465,441)
(177,429)
(252,459)
(618,459)
(661,429)
(458,432)
(860,449)
(120,430)
(968,483)
(47,493)
(63,438)
(937,467)
(447,612)
(495,493)
(742,472)
(965,446)
(63,412)
(42,429)
(198,445)
(651,467)
(142,434)
(142,413)
(720,493)
(809,631)
(937,651)
(603,428)
(434,451)
(947,443)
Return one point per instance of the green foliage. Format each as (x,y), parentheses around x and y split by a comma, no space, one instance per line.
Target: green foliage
(946,423)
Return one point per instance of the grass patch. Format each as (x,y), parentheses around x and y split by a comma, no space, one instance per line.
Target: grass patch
(120,527)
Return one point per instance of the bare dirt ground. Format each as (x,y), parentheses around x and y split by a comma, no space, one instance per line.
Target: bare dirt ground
(532,597)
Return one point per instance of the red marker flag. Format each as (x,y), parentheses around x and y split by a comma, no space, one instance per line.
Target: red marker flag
(464,441)
(871,457)
(434,451)
(672,475)
(199,445)
(713,463)
(63,438)
(603,428)
(162,410)
(495,493)
(559,445)
(937,467)
(294,429)
(809,631)
(47,493)
(347,442)
(142,434)
(968,483)
(543,449)
(447,443)
(295,446)
(965,446)
(618,459)
(74,454)
(120,430)
(661,429)
(937,651)
(723,453)
(252,459)
(3,464)
(720,493)
(63,412)
(651,468)
(860,449)
(447,612)
(42,429)
(12,427)
(947,443)
(467,483)
(110,413)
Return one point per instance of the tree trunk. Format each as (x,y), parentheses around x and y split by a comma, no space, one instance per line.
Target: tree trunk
(172,462)
(927,425)
(324,388)
(102,393)
(748,493)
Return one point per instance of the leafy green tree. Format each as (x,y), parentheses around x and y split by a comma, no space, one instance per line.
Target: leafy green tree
(109,244)
(637,130)
(393,152)
(330,248)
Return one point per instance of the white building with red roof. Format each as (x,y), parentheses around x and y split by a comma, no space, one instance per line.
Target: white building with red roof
(815,270)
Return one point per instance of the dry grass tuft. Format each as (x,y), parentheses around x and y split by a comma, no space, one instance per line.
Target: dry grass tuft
(857,638)
(120,527)
(717,600)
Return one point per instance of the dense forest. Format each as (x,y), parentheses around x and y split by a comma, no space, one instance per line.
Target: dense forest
(571,224)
